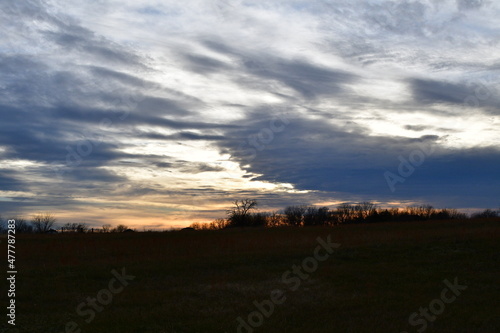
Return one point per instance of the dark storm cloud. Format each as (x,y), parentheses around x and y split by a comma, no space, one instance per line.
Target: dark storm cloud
(163,165)
(56,134)
(18,65)
(416,128)
(153,115)
(161,106)
(83,41)
(310,80)
(17,206)
(470,94)
(38,134)
(51,133)
(53,142)
(31,81)
(313,155)
(10,180)
(62,31)
(420,128)
(457,178)
(92,177)
(124,78)
(45,191)
(219,46)
(199,167)
(169,123)
(429,92)
(203,64)
(181,136)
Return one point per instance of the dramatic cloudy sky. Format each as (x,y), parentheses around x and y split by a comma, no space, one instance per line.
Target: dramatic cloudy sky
(159,113)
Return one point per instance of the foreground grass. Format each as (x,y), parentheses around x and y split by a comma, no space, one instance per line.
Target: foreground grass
(203,281)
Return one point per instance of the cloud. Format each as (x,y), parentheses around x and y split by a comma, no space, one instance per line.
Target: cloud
(473,94)
(416,128)
(120,77)
(430,91)
(10,180)
(314,155)
(402,17)
(181,136)
(82,41)
(470,4)
(203,64)
(308,79)
(199,167)
(170,110)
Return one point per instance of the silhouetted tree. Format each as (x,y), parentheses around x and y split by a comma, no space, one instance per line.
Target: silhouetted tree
(219,224)
(119,228)
(43,222)
(425,211)
(275,219)
(363,210)
(456,215)
(344,213)
(239,215)
(22,227)
(314,216)
(106,228)
(381,215)
(294,215)
(195,226)
(242,216)
(258,219)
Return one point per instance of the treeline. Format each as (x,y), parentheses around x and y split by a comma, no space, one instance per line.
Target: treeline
(243,215)
(46,223)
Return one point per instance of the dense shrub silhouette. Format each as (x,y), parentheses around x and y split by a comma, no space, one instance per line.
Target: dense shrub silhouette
(294,215)
(120,228)
(314,216)
(345,213)
(74,227)
(488,213)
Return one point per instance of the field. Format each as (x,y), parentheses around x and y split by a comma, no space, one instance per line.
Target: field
(202,281)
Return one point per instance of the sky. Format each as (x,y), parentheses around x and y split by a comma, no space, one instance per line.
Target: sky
(158,114)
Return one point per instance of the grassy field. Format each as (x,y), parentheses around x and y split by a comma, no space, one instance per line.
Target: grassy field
(203,281)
